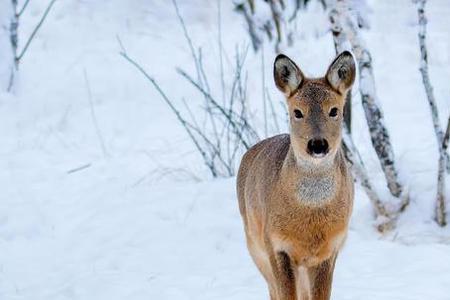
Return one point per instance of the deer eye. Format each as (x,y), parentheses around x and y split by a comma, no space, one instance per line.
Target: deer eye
(333,112)
(298,114)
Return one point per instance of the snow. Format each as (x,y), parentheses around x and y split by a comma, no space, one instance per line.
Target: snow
(144,220)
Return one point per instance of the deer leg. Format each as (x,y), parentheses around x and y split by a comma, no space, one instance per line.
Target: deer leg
(303,283)
(284,276)
(261,259)
(321,277)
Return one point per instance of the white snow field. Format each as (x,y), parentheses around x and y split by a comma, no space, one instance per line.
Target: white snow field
(140,217)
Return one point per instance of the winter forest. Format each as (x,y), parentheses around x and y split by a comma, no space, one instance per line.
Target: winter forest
(123,124)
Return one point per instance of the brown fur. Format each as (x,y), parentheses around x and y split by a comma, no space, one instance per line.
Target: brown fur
(296,208)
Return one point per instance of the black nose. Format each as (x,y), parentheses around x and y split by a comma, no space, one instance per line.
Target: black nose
(318,147)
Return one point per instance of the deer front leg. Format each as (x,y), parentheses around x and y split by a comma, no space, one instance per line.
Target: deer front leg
(284,276)
(321,277)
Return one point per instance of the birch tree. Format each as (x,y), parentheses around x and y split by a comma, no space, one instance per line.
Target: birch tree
(345,24)
(384,218)
(442,141)
(341,17)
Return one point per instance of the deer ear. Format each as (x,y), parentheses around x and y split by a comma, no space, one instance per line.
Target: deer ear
(341,73)
(286,74)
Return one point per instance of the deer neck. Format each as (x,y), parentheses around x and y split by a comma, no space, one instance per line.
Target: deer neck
(314,183)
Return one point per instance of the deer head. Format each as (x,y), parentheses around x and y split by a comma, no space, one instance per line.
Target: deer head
(315,105)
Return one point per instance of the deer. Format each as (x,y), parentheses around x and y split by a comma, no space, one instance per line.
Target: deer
(295,190)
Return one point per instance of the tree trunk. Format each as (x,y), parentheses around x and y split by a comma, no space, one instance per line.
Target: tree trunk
(441,211)
(441,217)
(441,140)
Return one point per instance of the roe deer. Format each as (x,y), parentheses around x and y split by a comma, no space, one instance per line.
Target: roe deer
(295,191)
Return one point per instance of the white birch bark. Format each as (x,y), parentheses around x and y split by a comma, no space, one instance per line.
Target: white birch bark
(441,216)
(440,211)
(446,136)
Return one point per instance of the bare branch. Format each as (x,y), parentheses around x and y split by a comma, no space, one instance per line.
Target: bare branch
(208,106)
(218,106)
(225,131)
(202,79)
(277,18)
(263,85)
(188,40)
(174,110)
(80,168)
(93,115)
(36,29)
(219,40)
(12,64)
(248,13)
(272,110)
(24,6)
(13,32)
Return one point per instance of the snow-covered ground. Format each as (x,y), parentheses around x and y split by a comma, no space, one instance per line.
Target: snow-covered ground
(141,218)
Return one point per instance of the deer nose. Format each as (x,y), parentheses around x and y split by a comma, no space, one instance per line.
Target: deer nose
(318,147)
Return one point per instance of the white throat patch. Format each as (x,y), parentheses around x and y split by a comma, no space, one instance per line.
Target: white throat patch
(316,189)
